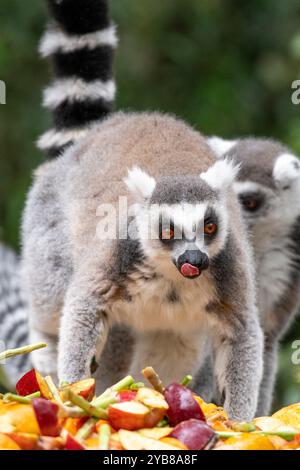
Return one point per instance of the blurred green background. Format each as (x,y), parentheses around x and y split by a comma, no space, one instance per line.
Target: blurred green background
(224,66)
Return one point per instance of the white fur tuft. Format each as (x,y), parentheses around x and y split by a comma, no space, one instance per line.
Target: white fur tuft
(55,40)
(220,146)
(76,89)
(140,183)
(286,170)
(221,175)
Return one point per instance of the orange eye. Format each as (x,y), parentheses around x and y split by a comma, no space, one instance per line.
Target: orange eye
(250,204)
(210,228)
(167,234)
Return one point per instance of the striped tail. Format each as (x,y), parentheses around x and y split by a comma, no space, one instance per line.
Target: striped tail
(13,317)
(80,42)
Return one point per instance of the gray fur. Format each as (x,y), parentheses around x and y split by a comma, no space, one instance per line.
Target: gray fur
(13,315)
(175,190)
(275,236)
(79,286)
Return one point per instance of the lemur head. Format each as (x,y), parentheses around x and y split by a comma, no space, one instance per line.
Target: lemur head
(268,186)
(182,222)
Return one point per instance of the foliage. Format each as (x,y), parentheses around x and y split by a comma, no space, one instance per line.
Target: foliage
(224,66)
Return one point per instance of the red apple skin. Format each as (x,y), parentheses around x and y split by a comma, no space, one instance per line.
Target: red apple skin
(195,434)
(24,440)
(127,395)
(28,384)
(46,413)
(73,444)
(182,405)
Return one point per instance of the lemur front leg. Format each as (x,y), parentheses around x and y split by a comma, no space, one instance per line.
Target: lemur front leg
(44,360)
(239,365)
(269,377)
(84,327)
(172,355)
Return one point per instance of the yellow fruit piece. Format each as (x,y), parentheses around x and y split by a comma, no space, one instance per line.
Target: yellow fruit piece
(6,443)
(156,433)
(151,398)
(211,411)
(174,442)
(268,423)
(92,443)
(16,417)
(289,415)
(131,440)
(247,441)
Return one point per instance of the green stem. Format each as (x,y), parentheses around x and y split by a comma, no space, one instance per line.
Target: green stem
(24,350)
(34,395)
(135,386)
(186,380)
(53,389)
(9,397)
(287,435)
(86,405)
(104,436)
(123,384)
(104,402)
(164,422)
(86,429)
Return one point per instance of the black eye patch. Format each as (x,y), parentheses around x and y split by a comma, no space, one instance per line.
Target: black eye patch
(252,202)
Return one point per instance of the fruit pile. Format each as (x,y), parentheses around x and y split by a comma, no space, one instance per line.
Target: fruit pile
(131,416)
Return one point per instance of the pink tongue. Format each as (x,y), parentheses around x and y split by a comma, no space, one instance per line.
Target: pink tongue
(188,270)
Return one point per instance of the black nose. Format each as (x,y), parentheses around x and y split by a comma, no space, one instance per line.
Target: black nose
(194,257)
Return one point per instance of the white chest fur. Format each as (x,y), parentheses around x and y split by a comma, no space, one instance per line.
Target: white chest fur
(164,304)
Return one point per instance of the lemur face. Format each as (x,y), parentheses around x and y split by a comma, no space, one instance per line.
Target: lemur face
(183,221)
(268,185)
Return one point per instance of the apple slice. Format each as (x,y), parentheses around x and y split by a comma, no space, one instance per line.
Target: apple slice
(32,382)
(133,415)
(24,440)
(84,388)
(194,434)
(134,441)
(46,413)
(73,444)
(151,398)
(156,433)
(28,383)
(182,405)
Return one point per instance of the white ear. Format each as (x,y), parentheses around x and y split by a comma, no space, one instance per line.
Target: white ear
(221,175)
(220,146)
(140,183)
(286,170)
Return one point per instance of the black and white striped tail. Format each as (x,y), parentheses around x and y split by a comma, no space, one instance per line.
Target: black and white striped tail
(13,316)
(80,41)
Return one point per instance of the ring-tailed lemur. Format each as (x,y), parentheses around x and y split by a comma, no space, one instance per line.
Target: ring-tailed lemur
(79,283)
(268,187)
(13,317)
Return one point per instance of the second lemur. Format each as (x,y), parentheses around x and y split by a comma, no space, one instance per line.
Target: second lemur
(268,188)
